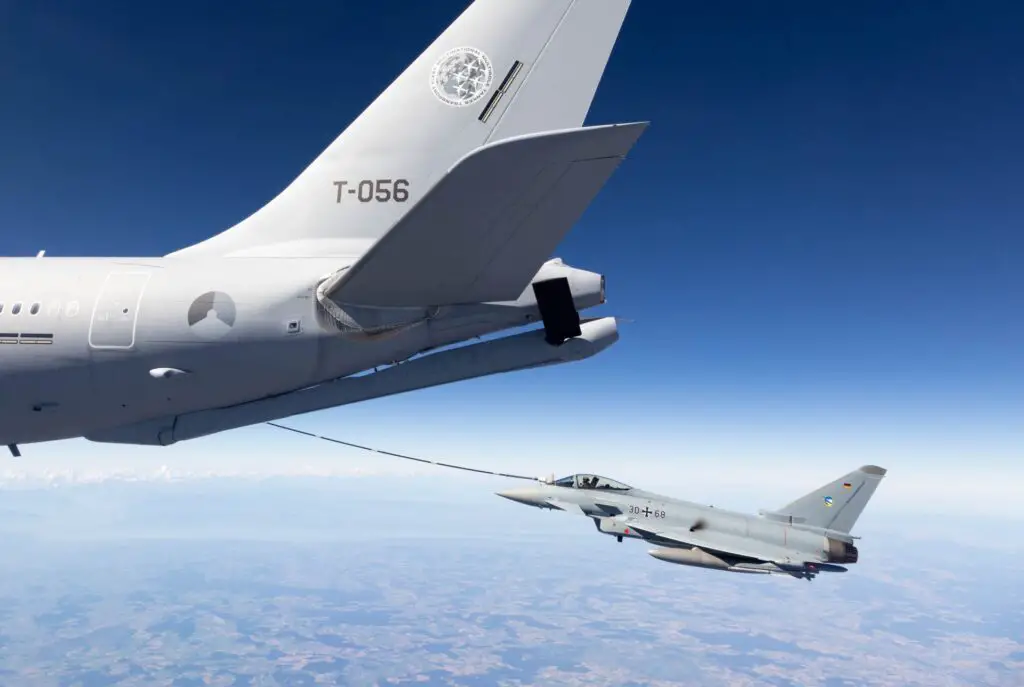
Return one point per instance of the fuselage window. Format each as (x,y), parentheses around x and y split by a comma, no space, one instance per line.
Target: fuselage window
(34,310)
(16,308)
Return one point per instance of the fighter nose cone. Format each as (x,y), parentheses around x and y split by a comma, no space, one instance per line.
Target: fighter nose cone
(524,496)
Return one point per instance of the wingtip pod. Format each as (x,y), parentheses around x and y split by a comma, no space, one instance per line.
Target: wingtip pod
(598,334)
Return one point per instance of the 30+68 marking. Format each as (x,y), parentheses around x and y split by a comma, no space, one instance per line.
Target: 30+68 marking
(646,511)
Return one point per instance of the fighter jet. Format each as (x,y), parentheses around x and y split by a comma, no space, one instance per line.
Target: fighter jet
(431,220)
(806,537)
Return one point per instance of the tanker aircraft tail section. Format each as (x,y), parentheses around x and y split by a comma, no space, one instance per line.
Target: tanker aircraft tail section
(482,233)
(835,506)
(426,225)
(502,69)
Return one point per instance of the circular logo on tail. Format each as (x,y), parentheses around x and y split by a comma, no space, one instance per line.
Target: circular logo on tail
(461,76)
(212,315)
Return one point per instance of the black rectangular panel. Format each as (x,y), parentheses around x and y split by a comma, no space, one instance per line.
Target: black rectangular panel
(561,319)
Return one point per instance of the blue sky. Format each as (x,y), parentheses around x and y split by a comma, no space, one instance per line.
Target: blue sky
(818,240)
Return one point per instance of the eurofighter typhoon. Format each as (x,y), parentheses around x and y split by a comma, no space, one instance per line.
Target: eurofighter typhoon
(806,537)
(431,220)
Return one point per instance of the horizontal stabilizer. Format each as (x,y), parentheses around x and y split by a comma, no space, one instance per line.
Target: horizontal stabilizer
(482,232)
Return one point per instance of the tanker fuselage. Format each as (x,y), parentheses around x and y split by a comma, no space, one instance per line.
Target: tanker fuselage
(91,346)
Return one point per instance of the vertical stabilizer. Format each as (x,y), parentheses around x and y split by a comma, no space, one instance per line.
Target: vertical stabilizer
(837,505)
(503,68)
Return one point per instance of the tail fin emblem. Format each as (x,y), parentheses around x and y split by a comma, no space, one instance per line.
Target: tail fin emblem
(461,76)
(828,501)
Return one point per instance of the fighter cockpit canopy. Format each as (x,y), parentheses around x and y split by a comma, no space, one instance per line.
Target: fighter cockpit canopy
(582,481)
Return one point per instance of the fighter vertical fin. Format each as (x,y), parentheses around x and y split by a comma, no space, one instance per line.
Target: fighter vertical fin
(837,505)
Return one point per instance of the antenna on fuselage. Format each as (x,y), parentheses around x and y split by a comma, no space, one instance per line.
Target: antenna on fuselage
(41,253)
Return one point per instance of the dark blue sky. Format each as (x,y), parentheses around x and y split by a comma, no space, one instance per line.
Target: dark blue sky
(825,210)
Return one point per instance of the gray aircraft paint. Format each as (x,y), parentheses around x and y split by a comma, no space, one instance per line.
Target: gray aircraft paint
(806,537)
(275,315)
